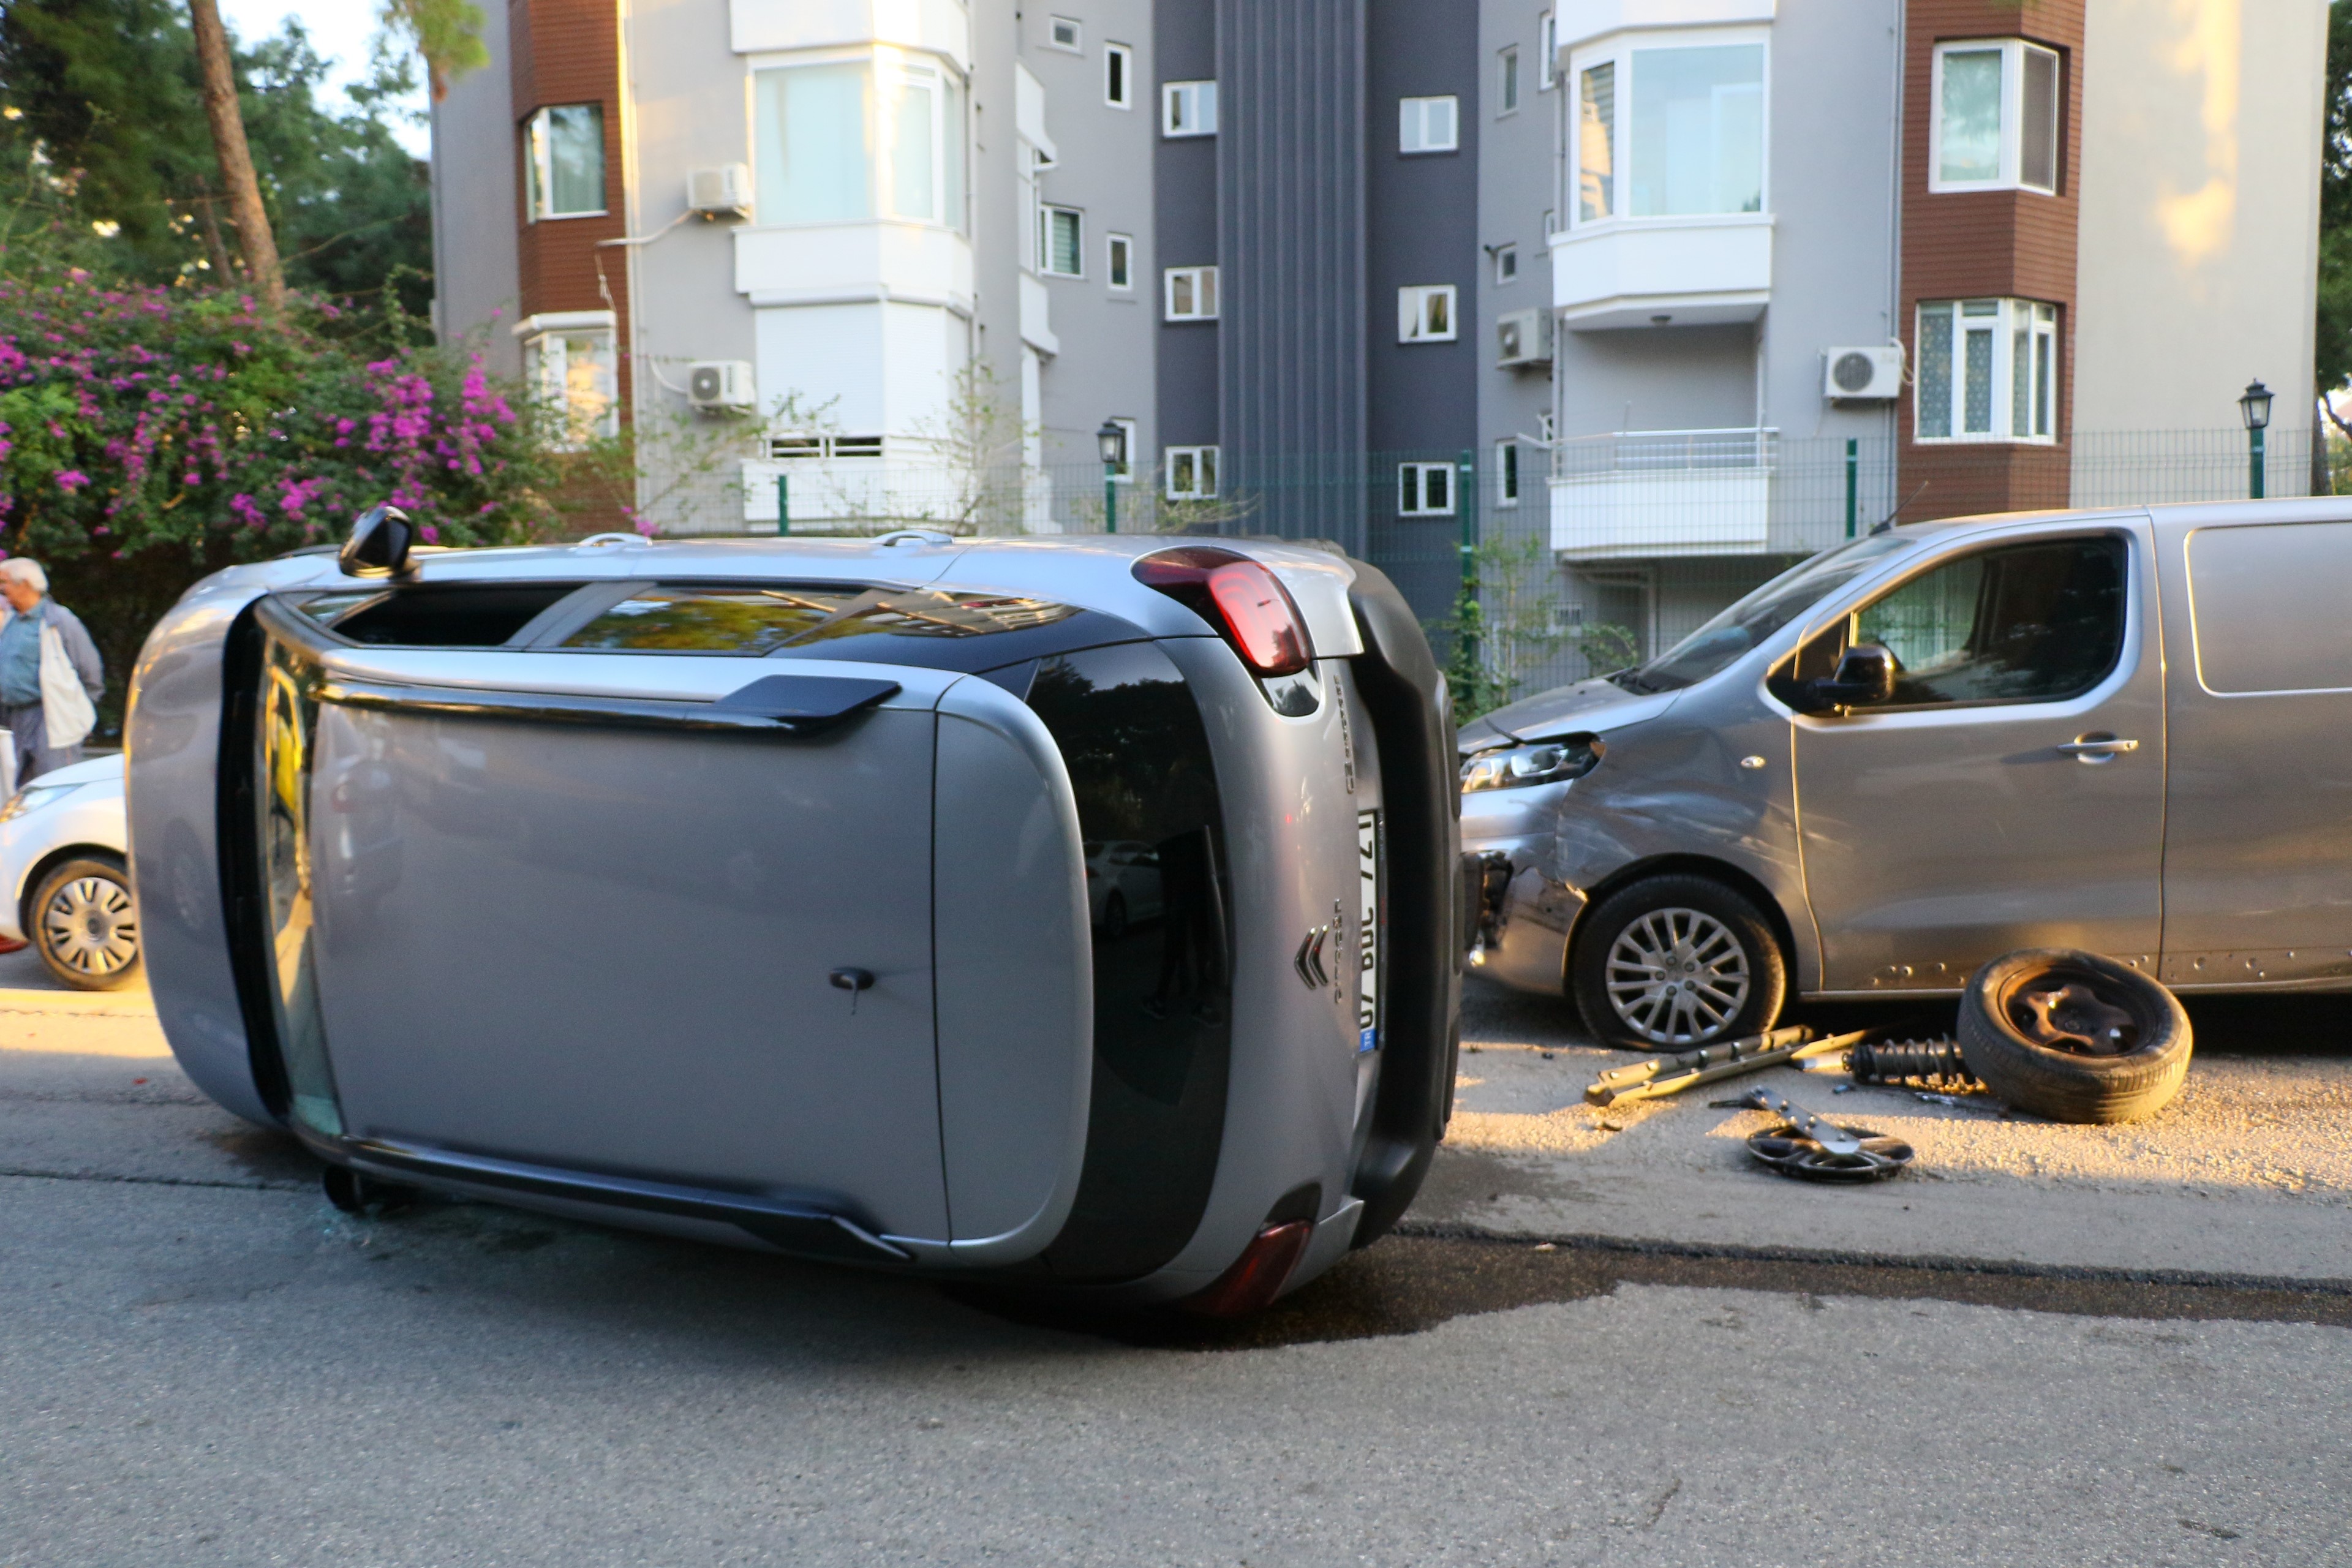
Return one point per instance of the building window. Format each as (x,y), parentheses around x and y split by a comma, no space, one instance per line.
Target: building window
(570,367)
(1544,427)
(1427,124)
(1506,82)
(1506,472)
(567,161)
(1548,52)
(1188,109)
(1061,243)
(1119,76)
(1506,264)
(1063,33)
(1191,473)
(1425,313)
(1671,132)
(1995,117)
(1988,371)
(1120,262)
(1123,471)
(1424,489)
(1191,293)
(851,140)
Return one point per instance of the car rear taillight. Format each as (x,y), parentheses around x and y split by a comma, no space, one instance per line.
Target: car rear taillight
(1247,604)
(1258,1275)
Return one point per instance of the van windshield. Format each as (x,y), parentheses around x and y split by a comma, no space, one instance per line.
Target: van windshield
(1715,645)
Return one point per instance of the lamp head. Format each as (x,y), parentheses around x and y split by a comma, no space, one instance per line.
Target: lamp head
(2255,406)
(1111,441)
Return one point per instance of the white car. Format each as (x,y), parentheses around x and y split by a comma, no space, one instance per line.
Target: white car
(65,865)
(1122,884)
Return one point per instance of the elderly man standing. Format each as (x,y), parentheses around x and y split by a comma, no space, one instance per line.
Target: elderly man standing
(50,677)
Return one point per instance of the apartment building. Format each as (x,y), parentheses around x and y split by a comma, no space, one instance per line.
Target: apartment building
(1680,288)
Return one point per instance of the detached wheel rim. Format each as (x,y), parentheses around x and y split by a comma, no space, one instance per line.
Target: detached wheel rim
(1676,976)
(88,927)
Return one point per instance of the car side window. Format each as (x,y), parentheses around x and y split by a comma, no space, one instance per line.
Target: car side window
(2039,622)
(755,621)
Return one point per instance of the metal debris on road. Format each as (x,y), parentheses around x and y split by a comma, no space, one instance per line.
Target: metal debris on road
(1811,1146)
(1673,1073)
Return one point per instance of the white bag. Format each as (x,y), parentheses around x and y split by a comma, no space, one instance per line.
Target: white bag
(65,707)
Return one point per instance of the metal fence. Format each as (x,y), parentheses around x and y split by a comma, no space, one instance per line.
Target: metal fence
(1650,532)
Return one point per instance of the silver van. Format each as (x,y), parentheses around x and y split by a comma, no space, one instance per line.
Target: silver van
(2124,730)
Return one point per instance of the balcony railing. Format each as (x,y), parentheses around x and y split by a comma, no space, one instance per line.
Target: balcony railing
(1650,493)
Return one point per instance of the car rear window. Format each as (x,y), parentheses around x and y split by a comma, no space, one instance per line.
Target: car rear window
(755,622)
(467,615)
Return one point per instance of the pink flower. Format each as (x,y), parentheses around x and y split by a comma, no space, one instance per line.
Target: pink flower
(71,480)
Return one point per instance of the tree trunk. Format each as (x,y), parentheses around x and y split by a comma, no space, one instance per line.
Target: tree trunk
(244,210)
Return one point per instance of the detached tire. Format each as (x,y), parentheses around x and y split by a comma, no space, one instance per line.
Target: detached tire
(1672,961)
(1998,1028)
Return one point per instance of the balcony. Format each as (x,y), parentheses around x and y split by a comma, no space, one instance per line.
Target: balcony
(1678,272)
(1644,494)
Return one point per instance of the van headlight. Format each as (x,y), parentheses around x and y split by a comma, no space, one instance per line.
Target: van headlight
(1520,766)
(33,797)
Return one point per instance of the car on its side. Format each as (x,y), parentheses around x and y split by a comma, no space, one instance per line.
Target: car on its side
(65,865)
(392,809)
(2124,730)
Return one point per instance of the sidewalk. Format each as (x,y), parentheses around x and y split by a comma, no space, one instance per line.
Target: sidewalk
(2248,1174)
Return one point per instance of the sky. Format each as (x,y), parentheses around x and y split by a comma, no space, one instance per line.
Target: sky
(340,31)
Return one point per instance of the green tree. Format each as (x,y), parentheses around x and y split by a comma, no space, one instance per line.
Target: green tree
(1505,623)
(2333,362)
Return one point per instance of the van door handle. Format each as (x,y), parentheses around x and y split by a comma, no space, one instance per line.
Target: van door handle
(2097,748)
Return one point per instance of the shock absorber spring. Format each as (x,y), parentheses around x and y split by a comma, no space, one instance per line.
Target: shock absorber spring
(1936,1063)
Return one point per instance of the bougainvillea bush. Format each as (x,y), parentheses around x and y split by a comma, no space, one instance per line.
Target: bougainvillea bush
(149,436)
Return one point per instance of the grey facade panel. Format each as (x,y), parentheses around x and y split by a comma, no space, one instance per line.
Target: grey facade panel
(1291,164)
(1184,227)
(476,270)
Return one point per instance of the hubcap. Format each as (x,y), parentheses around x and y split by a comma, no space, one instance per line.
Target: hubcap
(90,927)
(1677,976)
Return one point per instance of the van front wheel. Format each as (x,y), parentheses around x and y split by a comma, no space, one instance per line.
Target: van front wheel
(1673,962)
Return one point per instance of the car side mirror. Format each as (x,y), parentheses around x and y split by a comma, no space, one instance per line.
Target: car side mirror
(379,543)
(1865,676)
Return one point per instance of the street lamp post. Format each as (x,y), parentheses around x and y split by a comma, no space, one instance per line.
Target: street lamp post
(1111,441)
(2256,407)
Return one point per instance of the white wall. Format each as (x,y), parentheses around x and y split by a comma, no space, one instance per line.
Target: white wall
(2200,182)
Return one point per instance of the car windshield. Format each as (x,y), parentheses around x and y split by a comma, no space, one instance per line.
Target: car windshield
(1715,645)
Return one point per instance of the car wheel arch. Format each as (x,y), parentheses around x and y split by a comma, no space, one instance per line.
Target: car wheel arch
(1744,883)
(38,871)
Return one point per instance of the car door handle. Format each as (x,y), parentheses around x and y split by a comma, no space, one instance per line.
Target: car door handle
(2097,748)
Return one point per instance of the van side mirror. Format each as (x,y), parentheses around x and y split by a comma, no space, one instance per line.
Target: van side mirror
(1865,675)
(379,543)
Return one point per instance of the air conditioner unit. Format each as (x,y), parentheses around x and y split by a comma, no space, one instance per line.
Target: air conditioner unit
(722,192)
(1523,337)
(720,384)
(1859,373)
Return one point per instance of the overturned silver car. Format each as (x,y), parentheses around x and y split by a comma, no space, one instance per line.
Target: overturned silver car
(738,889)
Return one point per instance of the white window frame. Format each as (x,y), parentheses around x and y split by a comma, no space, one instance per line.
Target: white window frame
(538,150)
(2039,323)
(1201,462)
(1124,474)
(1075,44)
(1429,313)
(1204,291)
(2012,115)
(1417,136)
(1119,60)
(1507,265)
(1545,424)
(547,343)
(1620,50)
(1188,109)
(1046,214)
(1413,490)
(1506,471)
(952,169)
(1507,80)
(1548,51)
(1119,263)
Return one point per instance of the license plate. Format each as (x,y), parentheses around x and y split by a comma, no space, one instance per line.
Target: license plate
(1371,932)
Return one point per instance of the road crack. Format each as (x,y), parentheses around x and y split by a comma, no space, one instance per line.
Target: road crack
(27,1174)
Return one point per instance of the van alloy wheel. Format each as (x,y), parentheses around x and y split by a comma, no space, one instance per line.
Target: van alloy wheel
(1676,975)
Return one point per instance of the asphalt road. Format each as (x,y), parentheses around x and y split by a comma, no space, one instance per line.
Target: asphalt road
(201,1362)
